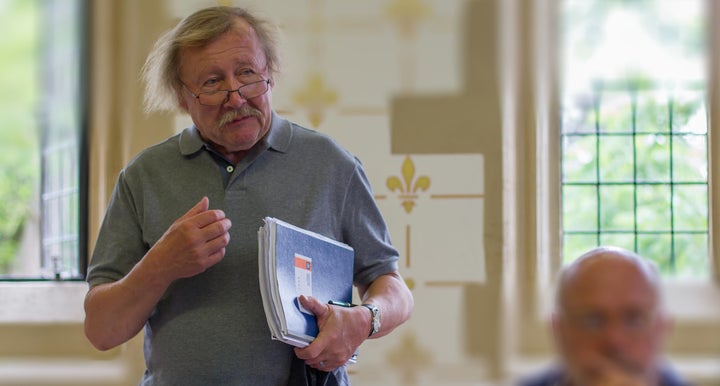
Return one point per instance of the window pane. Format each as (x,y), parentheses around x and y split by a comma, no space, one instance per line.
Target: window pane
(691,206)
(579,117)
(617,208)
(40,131)
(575,245)
(653,158)
(579,161)
(690,255)
(689,114)
(19,140)
(616,112)
(636,70)
(616,158)
(652,112)
(658,248)
(653,208)
(622,240)
(690,158)
(61,125)
(579,208)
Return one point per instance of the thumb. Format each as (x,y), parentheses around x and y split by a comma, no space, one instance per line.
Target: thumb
(313,305)
(201,206)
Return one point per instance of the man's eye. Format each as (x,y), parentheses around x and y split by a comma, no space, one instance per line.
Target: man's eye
(210,82)
(246,75)
(636,321)
(591,322)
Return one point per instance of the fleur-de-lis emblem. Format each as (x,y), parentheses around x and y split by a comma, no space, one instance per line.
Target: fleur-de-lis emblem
(408,14)
(408,186)
(410,359)
(315,96)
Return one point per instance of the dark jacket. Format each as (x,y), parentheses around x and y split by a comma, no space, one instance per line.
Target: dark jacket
(555,376)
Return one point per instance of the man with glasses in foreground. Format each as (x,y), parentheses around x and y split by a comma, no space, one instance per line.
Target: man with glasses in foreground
(177,252)
(609,323)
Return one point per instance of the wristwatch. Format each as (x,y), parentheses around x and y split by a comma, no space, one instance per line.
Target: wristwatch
(375,321)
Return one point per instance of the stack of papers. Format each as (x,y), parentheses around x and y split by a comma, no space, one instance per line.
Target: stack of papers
(293,262)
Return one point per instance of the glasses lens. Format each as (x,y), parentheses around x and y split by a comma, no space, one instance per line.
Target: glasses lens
(251,90)
(248,91)
(213,98)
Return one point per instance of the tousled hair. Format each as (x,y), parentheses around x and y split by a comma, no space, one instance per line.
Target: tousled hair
(161,71)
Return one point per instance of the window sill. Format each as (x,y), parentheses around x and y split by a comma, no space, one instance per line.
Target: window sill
(42,302)
(686,301)
(62,372)
(692,301)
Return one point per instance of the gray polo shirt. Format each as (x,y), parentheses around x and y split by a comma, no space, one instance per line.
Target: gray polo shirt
(210,329)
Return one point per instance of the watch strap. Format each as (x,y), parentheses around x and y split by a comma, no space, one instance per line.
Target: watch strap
(375,319)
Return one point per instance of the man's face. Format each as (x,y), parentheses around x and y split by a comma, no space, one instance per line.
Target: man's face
(230,61)
(609,321)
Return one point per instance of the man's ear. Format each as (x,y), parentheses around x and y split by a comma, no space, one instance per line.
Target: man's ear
(182,103)
(667,325)
(555,325)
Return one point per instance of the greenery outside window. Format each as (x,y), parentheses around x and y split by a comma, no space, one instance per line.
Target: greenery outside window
(42,151)
(634,131)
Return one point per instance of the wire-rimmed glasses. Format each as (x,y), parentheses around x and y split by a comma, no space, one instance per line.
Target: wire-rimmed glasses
(220,97)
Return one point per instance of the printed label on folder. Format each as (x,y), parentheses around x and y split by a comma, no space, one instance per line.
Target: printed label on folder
(303,278)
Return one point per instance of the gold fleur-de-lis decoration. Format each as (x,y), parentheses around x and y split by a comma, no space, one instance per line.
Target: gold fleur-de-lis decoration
(410,359)
(408,186)
(407,14)
(315,96)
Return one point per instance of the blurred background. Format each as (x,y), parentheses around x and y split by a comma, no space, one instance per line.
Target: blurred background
(502,138)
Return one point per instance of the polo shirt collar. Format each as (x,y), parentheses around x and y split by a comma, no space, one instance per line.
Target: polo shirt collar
(278,137)
(280,134)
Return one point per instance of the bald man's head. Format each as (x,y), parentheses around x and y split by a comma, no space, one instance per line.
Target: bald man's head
(609,315)
(608,262)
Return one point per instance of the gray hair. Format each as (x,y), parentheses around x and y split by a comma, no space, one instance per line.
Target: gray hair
(161,71)
(647,268)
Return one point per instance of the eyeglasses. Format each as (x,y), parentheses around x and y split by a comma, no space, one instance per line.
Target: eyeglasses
(633,323)
(220,97)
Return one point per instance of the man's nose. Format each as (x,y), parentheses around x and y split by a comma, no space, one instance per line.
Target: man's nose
(614,337)
(235,99)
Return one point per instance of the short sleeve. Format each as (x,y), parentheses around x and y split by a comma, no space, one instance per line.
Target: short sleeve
(120,243)
(365,230)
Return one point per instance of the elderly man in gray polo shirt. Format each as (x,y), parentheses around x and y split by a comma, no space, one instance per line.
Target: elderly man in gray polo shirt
(177,251)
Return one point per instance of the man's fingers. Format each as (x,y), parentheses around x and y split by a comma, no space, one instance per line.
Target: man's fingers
(200,207)
(218,255)
(312,352)
(208,217)
(218,243)
(215,224)
(313,305)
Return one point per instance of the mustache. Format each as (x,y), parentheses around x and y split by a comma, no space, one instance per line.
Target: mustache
(242,112)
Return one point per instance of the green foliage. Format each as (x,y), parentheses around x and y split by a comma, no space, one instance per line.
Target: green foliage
(653,193)
(635,139)
(19,144)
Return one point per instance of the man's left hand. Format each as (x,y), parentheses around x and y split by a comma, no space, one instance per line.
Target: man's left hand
(341,331)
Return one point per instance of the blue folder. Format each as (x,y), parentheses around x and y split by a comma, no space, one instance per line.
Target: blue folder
(304,263)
